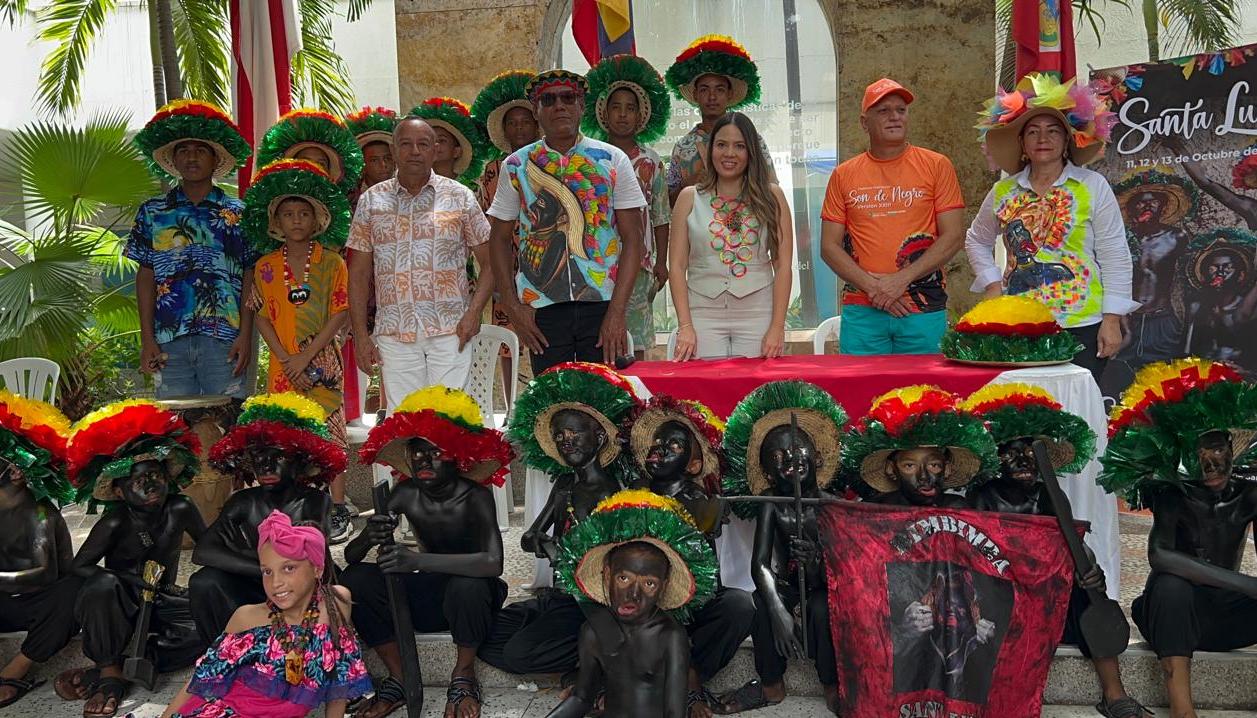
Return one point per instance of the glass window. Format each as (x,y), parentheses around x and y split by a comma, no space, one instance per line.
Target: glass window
(796,114)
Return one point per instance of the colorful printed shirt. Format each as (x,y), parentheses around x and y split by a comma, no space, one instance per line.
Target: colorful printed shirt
(243,675)
(198,256)
(565,206)
(890,209)
(648,167)
(689,158)
(420,245)
(1066,248)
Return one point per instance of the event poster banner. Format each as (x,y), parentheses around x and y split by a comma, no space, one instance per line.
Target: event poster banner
(941,612)
(1183,164)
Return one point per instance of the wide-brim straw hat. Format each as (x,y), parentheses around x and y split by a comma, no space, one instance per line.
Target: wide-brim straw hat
(964,466)
(545,436)
(677,591)
(1004,143)
(825,435)
(642,435)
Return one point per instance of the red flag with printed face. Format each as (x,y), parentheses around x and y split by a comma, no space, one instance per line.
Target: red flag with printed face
(943,612)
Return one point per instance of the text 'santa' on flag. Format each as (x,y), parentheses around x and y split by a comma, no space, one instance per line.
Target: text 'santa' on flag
(943,613)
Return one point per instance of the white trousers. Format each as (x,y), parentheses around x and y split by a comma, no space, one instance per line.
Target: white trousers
(731,327)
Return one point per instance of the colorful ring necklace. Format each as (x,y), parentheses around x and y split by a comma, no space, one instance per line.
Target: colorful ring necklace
(734,232)
(299,294)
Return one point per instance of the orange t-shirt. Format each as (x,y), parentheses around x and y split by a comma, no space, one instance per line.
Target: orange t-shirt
(890,209)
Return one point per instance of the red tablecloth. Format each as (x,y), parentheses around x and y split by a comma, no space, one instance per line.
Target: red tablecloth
(853,380)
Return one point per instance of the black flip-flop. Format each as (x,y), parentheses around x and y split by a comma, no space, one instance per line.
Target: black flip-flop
(23,687)
(110,688)
(86,678)
(389,692)
(1123,708)
(748,697)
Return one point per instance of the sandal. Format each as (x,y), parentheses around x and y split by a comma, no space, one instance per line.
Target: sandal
(702,695)
(388,692)
(114,689)
(749,696)
(1122,708)
(462,688)
(22,686)
(75,684)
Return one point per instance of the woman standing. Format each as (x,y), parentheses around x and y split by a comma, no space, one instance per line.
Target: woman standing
(1060,223)
(731,252)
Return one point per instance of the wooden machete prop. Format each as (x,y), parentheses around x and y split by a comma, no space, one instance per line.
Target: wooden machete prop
(1103,624)
(138,667)
(412,676)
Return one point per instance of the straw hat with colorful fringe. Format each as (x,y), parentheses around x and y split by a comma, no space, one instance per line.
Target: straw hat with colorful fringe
(284,179)
(106,443)
(452,421)
(592,389)
(543,81)
(915,417)
(184,120)
(304,128)
(454,117)
(1153,430)
(372,124)
(1022,411)
(770,406)
(639,516)
(1012,329)
(715,55)
(1079,108)
(33,438)
(638,76)
(503,94)
(706,428)
(286,421)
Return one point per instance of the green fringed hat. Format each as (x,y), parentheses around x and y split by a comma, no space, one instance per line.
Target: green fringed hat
(287,178)
(590,388)
(639,516)
(631,73)
(503,94)
(184,120)
(108,442)
(1012,329)
(919,416)
(1153,430)
(372,124)
(288,421)
(455,118)
(1181,196)
(716,55)
(306,128)
(1016,411)
(33,438)
(766,408)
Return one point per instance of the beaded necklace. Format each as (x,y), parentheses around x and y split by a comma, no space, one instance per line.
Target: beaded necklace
(299,294)
(734,232)
(294,645)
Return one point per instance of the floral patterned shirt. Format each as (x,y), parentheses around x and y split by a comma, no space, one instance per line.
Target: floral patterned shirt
(198,256)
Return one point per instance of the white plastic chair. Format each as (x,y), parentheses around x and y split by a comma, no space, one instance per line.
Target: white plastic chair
(672,345)
(827,328)
(631,348)
(31,377)
(356,431)
(485,362)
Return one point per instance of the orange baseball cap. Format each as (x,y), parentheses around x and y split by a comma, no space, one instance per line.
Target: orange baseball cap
(877,91)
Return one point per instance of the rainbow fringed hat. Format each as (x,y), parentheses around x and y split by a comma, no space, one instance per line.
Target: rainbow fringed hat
(590,388)
(715,55)
(287,178)
(631,516)
(106,443)
(184,120)
(635,74)
(1017,411)
(1084,114)
(454,117)
(287,421)
(372,124)
(1153,430)
(918,416)
(451,420)
(1010,329)
(305,128)
(706,428)
(33,438)
(503,94)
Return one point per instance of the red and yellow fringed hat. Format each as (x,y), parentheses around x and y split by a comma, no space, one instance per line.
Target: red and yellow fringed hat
(1022,411)
(184,120)
(452,421)
(33,438)
(1012,329)
(706,428)
(372,124)
(454,117)
(306,128)
(288,421)
(106,443)
(715,55)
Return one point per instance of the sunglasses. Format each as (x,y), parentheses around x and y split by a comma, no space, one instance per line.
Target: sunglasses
(549,99)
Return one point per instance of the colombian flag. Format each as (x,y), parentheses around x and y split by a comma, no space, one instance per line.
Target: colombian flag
(1044,33)
(603,28)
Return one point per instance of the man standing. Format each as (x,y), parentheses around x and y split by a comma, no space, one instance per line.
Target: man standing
(412,234)
(578,207)
(195,264)
(893,216)
(716,75)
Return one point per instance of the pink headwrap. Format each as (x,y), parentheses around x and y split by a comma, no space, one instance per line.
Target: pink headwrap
(292,542)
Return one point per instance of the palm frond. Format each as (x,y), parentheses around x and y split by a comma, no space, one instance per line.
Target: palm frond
(356,8)
(107,258)
(1194,26)
(203,46)
(43,299)
(73,26)
(114,311)
(320,77)
(12,10)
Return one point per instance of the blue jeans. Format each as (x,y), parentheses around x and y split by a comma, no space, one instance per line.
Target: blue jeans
(868,330)
(197,365)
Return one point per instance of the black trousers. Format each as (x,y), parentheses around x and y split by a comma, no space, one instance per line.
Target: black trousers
(438,602)
(771,665)
(1072,635)
(1178,617)
(216,594)
(718,628)
(49,623)
(1087,359)
(540,635)
(571,331)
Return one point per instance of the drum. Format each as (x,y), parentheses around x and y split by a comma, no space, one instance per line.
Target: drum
(209,417)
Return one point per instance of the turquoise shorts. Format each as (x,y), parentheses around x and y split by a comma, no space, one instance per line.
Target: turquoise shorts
(868,330)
